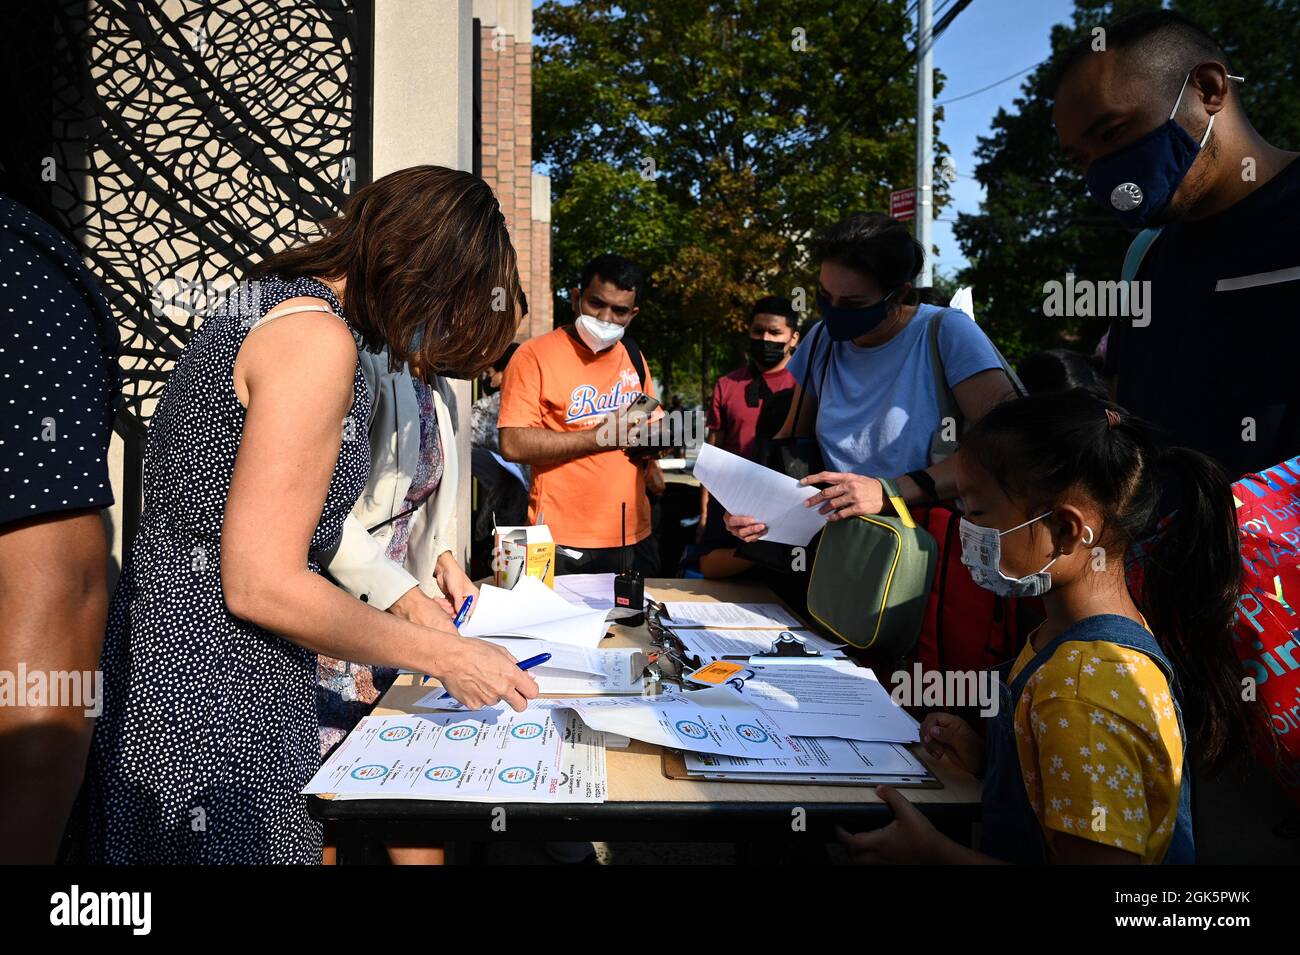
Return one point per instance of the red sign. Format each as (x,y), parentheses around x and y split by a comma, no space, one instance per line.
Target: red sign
(902,204)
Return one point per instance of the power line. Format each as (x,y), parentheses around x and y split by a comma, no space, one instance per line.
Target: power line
(983,89)
(936,31)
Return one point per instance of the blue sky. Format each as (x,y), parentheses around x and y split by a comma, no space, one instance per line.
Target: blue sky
(988,41)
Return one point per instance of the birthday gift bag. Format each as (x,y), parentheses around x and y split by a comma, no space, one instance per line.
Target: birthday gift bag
(1267,626)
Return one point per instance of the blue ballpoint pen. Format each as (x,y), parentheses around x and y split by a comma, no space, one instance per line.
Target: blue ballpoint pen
(463,613)
(525,665)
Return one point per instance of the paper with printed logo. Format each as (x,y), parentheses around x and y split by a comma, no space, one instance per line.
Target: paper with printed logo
(486,756)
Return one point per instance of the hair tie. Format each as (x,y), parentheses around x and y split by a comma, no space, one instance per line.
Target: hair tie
(1112,418)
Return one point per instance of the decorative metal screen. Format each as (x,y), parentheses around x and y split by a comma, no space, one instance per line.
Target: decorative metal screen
(191,137)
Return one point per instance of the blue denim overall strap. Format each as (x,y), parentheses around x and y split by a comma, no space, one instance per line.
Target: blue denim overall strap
(1011,830)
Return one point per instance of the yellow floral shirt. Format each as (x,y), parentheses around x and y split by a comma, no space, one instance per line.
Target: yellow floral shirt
(1099,745)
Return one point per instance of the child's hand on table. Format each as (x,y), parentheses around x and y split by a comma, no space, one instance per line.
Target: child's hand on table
(945,736)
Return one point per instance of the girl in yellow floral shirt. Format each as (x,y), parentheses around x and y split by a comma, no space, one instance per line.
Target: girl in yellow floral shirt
(1085,760)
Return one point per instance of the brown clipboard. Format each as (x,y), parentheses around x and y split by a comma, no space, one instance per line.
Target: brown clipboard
(674,767)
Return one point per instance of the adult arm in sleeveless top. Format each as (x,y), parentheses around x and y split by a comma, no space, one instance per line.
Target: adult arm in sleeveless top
(295,377)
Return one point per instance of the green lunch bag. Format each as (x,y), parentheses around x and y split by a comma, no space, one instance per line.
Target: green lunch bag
(871,579)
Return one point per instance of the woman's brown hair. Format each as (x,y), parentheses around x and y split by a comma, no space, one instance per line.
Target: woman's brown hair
(430,270)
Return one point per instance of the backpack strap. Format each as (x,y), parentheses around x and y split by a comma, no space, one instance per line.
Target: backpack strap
(638,360)
(807,371)
(948,406)
(1137,252)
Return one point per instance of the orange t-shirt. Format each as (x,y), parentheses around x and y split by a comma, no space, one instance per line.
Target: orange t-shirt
(558,383)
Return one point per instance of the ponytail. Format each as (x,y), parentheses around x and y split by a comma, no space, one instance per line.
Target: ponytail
(1191,578)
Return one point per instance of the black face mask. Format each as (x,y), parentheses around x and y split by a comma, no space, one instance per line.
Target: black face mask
(766,353)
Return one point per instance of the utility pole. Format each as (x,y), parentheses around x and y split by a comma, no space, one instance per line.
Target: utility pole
(924,137)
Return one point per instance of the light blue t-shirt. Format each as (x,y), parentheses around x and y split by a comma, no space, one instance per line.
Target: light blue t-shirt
(879,409)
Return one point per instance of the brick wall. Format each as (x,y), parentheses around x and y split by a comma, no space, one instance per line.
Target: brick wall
(507,145)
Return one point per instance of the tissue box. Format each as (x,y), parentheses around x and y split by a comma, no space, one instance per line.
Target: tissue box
(523,550)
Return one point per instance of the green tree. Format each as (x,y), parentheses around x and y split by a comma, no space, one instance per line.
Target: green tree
(711,141)
(1038,223)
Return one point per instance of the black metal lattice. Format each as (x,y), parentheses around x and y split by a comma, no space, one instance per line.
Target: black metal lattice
(190,138)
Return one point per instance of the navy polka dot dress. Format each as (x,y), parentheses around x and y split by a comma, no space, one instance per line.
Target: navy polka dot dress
(209,728)
(59,381)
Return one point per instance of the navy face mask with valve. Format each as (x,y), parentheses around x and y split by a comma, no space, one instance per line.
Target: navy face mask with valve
(843,324)
(1137,182)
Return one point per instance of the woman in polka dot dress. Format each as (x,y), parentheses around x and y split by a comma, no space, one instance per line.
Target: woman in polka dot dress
(256,454)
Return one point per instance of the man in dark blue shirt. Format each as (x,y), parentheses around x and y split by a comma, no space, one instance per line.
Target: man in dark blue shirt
(1156,120)
(60,381)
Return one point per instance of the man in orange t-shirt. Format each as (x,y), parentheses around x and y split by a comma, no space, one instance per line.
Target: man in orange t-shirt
(558,391)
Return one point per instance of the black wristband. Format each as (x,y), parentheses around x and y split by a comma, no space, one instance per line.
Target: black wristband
(926,484)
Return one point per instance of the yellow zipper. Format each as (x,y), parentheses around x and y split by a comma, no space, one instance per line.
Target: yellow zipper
(889,582)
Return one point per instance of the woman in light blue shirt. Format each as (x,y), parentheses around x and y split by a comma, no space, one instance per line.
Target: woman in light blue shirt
(867,384)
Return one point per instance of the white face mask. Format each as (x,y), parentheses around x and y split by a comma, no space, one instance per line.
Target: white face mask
(981,552)
(598,335)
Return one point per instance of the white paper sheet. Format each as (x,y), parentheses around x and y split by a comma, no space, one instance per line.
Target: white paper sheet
(537,756)
(710,644)
(772,498)
(702,720)
(535,611)
(572,669)
(712,720)
(759,722)
(728,616)
(828,756)
(844,700)
(593,591)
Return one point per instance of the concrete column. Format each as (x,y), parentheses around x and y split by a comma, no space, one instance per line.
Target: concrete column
(424,113)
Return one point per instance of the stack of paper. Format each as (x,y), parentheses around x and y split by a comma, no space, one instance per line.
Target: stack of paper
(542,756)
(577,669)
(710,644)
(729,616)
(837,698)
(535,611)
(848,760)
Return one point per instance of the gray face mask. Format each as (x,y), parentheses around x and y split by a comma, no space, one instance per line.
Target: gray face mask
(981,553)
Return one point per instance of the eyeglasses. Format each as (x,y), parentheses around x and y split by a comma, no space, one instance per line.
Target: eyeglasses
(667,644)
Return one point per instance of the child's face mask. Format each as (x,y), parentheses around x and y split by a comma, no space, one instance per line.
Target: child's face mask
(981,552)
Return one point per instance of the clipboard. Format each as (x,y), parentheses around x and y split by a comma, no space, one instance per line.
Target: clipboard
(674,767)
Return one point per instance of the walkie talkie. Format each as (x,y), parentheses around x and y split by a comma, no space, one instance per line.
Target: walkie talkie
(629,586)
